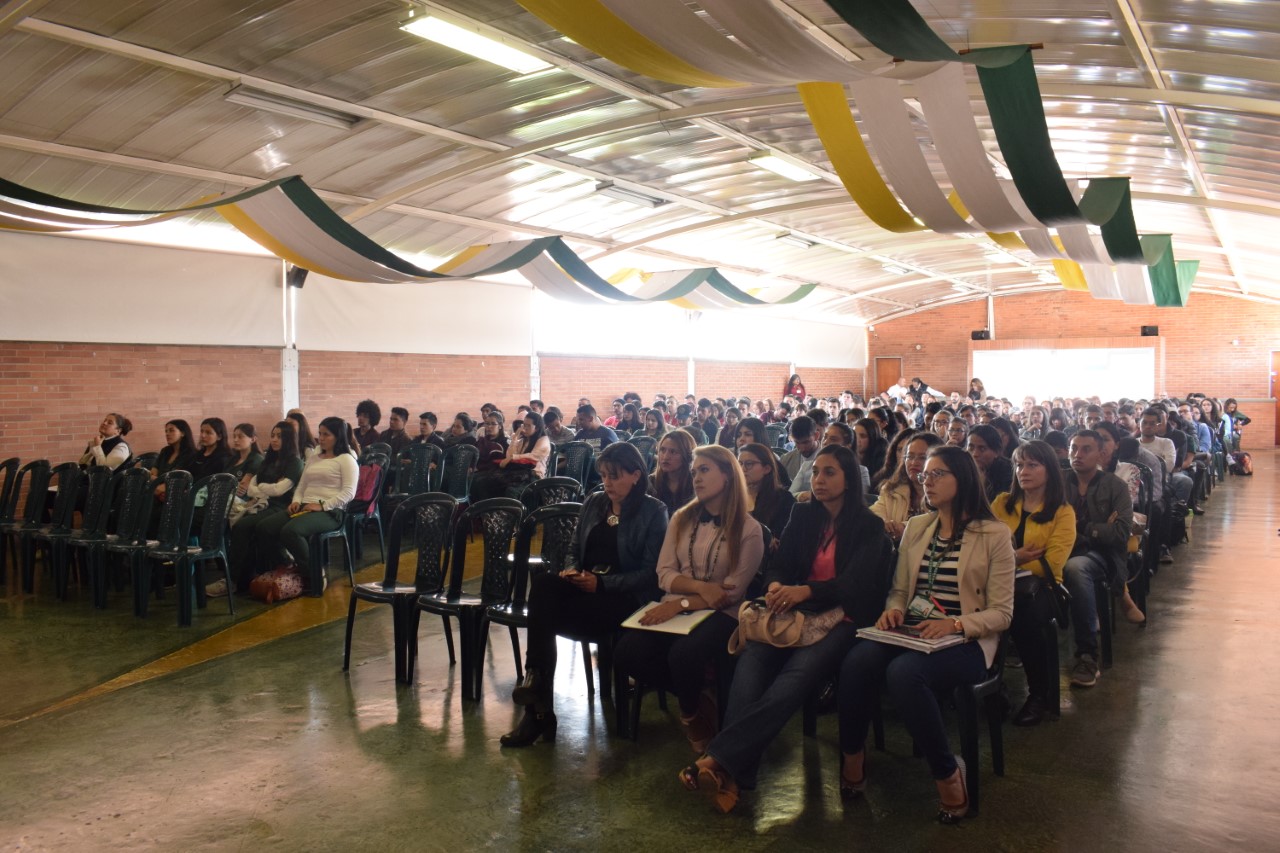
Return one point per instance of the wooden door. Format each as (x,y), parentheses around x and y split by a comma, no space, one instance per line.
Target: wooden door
(888,371)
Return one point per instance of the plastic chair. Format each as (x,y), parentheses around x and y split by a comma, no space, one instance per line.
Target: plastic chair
(35,476)
(648,447)
(9,470)
(988,693)
(211,545)
(318,559)
(499,519)
(414,475)
(777,434)
(68,476)
(427,518)
(145,461)
(578,459)
(131,506)
(377,447)
(558,522)
(455,477)
(56,535)
(550,490)
(173,532)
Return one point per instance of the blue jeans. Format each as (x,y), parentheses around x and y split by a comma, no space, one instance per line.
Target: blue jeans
(914,681)
(1182,485)
(1081,576)
(769,685)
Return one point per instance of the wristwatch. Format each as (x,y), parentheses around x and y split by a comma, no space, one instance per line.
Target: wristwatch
(684,604)
(959,626)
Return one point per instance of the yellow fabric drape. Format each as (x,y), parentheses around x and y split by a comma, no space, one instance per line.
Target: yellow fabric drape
(255,232)
(1071,274)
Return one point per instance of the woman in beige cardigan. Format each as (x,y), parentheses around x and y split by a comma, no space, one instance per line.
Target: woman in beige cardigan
(954,576)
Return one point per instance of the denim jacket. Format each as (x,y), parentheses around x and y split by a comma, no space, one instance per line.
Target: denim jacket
(639,542)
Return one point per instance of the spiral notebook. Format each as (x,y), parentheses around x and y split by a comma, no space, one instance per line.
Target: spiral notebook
(909,638)
(682,623)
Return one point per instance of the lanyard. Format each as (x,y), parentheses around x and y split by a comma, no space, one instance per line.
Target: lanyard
(936,560)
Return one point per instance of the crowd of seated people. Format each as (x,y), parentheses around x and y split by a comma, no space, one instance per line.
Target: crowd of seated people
(949,514)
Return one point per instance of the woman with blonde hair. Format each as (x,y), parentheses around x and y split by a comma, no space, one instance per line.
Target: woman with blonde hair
(712,550)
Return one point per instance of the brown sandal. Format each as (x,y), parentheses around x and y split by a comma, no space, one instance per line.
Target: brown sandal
(947,812)
(725,797)
(688,777)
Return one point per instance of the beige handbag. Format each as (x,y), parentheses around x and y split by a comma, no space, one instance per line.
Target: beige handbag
(787,630)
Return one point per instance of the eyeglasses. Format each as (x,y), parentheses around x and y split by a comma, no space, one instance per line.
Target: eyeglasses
(935,475)
(748,465)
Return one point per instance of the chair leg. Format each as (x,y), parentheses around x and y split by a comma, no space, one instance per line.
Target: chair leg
(967,712)
(604,663)
(448,639)
(515,651)
(995,727)
(183,574)
(351,565)
(96,561)
(226,575)
(1051,666)
(621,692)
(1103,595)
(382,546)
(140,571)
(633,707)
(469,636)
(346,645)
(316,565)
(481,646)
(411,641)
(590,668)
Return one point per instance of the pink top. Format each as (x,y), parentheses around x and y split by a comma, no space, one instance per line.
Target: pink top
(824,563)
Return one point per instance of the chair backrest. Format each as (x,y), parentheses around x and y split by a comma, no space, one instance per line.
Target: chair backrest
(558,523)
(499,520)
(9,472)
(422,523)
(776,434)
(179,504)
(70,477)
(553,460)
(1146,488)
(35,475)
(459,463)
(550,490)
(372,472)
(100,485)
(145,461)
(377,447)
(643,442)
(217,505)
(414,474)
(133,502)
(578,459)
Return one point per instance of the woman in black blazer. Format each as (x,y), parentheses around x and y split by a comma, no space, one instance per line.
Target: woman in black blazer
(834,554)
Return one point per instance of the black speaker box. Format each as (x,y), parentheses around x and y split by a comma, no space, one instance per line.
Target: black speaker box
(980,335)
(1151,331)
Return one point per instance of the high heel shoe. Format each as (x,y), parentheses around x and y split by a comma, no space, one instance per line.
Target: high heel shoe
(725,795)
(953,812)
(528,691)
(532,726)
(850,790)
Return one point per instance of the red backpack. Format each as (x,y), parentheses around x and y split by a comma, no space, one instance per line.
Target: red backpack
(366,486)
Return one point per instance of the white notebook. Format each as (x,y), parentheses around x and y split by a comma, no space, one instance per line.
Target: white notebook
(682,623)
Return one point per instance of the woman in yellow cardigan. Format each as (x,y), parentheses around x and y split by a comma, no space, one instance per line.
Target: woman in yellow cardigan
(1044,531)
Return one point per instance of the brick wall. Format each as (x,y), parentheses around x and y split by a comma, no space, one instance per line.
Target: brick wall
(733,379)
(1198,354)
(53,396)
(830,382)
(566,378)
(331,383)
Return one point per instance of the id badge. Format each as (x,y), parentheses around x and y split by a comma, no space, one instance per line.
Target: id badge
(922,608)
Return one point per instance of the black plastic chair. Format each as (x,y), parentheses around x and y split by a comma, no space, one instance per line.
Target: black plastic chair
(171,541)
(16,531)
(68,476)
(318,559)
(990,694)
(377,447)
(648,447)
(777,434)
(130,504)
(211,545)
(145,461)
(499,519)
(9,472)
(414,474)
(456,470)
(421,523)
(361,512)
(550,490)
(578,459)
(54,536)
(557,522)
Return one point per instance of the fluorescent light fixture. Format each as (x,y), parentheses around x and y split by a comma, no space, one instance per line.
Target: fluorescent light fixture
(781,167)
(896,269)
(286,106)
(962,288)
(472,43)
(608,188)
(792,240)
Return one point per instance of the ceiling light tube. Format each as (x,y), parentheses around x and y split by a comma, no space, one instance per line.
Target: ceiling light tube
(896,269)
(472,43)
(794,240)
(779,166)
(608,188)
(282,105)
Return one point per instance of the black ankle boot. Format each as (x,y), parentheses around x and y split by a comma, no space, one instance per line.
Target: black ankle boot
(533,725)
(1032,713)
(530,690)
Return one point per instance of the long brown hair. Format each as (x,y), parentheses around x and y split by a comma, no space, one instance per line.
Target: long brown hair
(1053,493)
(662,489)
(734,512)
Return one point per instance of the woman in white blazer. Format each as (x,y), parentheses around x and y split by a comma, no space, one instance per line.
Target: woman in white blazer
(954,576)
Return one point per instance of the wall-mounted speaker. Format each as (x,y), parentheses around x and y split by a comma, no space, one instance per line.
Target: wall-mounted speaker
(1151,331)
(296,276)
(980,335)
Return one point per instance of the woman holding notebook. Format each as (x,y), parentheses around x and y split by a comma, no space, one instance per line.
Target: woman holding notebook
(954,577)
(709,556)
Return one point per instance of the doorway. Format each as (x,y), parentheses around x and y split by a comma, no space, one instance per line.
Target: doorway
(888,371)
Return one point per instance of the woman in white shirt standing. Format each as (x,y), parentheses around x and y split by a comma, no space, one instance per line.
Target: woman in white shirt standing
(327,485)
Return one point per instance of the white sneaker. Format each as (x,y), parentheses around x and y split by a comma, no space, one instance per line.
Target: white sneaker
(217,589)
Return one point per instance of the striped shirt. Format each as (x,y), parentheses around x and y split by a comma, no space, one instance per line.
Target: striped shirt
(946,585)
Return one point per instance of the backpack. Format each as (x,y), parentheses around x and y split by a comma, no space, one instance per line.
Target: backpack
(365,486)
(279,584)
(1241,464)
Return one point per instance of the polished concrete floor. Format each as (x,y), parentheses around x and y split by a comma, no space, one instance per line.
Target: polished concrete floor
(118,734)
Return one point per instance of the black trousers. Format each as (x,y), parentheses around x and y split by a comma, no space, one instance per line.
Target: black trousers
(557,607)
(675,662)
(1032,609)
